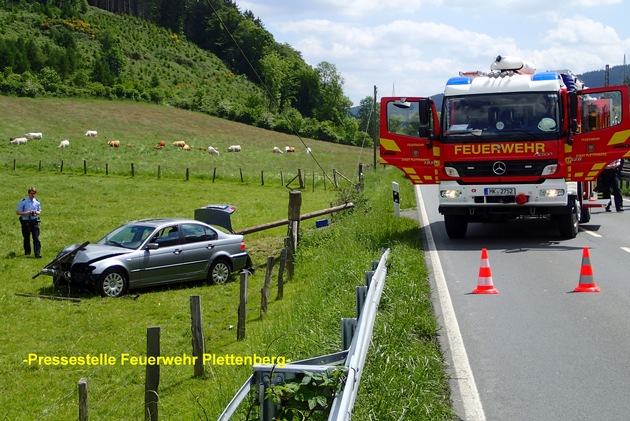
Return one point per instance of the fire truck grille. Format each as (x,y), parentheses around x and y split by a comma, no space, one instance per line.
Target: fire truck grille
(500,168)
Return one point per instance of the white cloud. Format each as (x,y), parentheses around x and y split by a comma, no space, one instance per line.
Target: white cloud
(414,46)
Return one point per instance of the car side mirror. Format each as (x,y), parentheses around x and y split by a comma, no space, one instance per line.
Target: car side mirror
(152,246)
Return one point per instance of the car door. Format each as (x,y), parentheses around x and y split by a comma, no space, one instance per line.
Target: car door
(164,263)
(198,249)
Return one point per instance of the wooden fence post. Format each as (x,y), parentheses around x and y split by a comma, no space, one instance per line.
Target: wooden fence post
(159,172)
(196,327)
(187,174)
(264,292)
(214,174)
(262,178)
(241,170)
(84,166)
(300,179)
(242,307)
(133,170)
(152,381)
(283,258)
(106,168)
(40,165)
(335,178)
(61,168)
(83,399)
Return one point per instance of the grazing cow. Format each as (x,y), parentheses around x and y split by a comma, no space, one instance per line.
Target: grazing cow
(129,145)
(33,135)
(64,143)
(179,143)
(114,143)
(289,149)
(18,141)
(234,148)
(276,150)
(91,133)
(186,148)
(212,150)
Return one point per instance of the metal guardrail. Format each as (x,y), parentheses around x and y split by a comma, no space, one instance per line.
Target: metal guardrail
(356,335)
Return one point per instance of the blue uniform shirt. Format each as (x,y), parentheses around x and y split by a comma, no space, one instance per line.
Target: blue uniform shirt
(28,205)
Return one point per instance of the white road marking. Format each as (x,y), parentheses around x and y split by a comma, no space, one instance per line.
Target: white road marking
(473,410)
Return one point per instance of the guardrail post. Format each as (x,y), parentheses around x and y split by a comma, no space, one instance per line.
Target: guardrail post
(348,326)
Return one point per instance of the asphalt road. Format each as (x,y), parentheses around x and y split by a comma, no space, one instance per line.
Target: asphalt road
(537,350)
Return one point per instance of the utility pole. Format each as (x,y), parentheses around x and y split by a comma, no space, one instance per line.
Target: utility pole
(607,76)
(376,123)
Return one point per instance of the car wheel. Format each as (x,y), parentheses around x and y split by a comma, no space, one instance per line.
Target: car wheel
(113,283)
(219,272)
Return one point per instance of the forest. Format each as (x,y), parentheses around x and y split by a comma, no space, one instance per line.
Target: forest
(201,55)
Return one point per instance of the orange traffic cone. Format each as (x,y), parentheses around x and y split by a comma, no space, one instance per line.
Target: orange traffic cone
(484,285)
(586,275)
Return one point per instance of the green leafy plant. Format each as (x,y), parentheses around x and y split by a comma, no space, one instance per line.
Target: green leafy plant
(309,398)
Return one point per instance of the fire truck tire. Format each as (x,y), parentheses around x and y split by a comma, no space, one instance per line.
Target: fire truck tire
(456,226)
(585,215)
(568,222)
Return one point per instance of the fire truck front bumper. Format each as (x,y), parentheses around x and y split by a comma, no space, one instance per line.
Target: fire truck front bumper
(455,198)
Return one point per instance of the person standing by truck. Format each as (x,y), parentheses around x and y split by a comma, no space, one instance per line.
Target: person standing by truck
(29,210)
(609,180)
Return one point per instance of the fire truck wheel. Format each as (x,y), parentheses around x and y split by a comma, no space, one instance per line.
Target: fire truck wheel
(456,226)
(568,222)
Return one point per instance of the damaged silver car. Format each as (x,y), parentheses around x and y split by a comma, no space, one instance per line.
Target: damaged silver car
(151,252)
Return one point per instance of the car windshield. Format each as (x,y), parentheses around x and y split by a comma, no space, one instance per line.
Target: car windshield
(513,116)
(127,236)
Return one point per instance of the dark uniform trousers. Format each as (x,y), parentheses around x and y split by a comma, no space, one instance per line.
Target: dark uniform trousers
(30,228)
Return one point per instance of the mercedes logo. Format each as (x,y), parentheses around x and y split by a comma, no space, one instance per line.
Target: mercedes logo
(499,168)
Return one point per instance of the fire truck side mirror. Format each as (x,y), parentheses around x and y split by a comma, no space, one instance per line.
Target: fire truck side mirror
(572,98)
(425,110)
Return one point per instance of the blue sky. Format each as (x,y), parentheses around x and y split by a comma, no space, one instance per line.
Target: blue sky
(411,47)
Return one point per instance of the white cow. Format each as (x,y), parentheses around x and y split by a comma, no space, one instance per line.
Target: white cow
(234,148)
(64,143)
(276,150)
(91,133)
(212,150)
(18,141)
(308,150)
(34,135)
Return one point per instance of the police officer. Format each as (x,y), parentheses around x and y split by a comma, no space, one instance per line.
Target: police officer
(29,210)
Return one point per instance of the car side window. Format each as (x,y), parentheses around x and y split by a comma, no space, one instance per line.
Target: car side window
(168,236)
(195,233)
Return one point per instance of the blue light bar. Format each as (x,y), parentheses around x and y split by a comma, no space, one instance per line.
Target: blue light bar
(459,80)
(546,76)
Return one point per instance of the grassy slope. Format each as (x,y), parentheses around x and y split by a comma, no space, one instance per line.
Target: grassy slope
(79,207)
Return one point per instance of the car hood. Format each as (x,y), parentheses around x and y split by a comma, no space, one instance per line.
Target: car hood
(94,252)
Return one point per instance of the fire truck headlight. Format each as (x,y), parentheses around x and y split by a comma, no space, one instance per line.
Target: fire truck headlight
(550,169)
(451,172)
(551,192)
(450,194)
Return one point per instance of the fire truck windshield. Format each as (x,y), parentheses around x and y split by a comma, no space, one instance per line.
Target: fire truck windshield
(509,116)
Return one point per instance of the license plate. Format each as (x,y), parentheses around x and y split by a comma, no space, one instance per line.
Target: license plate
(499,192)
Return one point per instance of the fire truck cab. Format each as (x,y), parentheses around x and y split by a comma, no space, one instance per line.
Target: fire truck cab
(511,143)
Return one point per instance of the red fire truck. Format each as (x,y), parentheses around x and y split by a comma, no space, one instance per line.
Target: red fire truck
(510,143)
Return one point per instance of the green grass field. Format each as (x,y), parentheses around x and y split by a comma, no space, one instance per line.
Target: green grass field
(405,356)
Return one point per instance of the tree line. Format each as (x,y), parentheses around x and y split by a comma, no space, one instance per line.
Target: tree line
(77,51)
